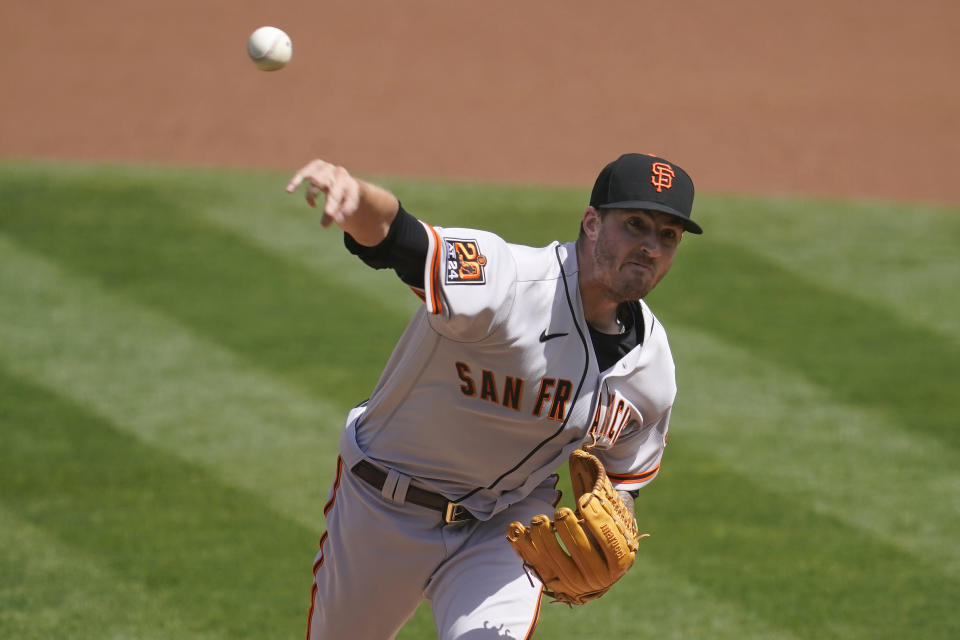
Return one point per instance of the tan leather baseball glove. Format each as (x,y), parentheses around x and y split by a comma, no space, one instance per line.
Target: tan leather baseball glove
(601,538)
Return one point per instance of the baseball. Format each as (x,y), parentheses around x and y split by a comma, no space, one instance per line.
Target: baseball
(269,48)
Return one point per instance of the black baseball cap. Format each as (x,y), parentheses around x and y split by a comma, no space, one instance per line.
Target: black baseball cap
(639,181)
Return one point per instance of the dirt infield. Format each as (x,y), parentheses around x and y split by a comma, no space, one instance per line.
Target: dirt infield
(835,97)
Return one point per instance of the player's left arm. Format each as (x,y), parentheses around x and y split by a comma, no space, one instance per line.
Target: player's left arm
(628,499)
(633,461)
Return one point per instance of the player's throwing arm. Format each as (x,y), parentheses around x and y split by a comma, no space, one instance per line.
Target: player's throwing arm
(363,210)
(342,190)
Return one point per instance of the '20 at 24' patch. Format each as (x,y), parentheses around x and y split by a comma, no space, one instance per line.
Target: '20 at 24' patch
(464,262)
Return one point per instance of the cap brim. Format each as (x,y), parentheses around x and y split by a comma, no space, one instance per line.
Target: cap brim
(688,224)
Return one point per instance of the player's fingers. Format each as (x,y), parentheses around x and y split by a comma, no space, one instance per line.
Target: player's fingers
(545,540)
(618,551)
(316,170)
(299,177)
(343,195)
(591,566)
(519,539)
(334,198)
(351,198)
(294,182)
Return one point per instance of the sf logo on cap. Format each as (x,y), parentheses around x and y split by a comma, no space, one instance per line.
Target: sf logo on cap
(662,177)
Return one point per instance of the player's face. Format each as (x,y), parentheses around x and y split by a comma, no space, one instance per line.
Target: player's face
(633,251)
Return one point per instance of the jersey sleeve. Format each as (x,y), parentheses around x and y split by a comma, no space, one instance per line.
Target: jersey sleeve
(634,461)
(404,249)
(470,279)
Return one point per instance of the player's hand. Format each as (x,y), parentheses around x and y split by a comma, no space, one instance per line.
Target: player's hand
(342,190)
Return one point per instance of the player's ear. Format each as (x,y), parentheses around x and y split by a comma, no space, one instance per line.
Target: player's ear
(590,223)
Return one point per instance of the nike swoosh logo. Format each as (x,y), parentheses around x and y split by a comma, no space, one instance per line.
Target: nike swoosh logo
(544,336)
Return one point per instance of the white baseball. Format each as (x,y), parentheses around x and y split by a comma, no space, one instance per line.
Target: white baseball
(269,48)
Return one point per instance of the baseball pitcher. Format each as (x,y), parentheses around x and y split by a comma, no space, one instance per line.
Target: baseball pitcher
(520,360)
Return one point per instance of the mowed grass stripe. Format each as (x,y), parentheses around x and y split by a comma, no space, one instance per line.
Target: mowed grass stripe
(901,257)
(285,226)
(171,388)
(218,559)
(51,589)
(779,558)
(656,600)
(143,240)
(794,438)
(862,353)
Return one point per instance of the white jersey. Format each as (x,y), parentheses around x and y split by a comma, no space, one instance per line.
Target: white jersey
(495,380)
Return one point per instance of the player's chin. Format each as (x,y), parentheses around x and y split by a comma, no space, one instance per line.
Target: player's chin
(634,291)
(637,281)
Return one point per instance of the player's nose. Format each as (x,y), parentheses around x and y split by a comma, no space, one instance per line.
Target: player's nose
(650,245)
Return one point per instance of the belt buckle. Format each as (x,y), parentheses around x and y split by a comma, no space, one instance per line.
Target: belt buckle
(455,513)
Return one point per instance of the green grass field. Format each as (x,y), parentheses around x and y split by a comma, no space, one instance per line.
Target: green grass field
(178,348)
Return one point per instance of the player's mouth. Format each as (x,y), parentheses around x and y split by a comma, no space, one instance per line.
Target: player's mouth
(645,265)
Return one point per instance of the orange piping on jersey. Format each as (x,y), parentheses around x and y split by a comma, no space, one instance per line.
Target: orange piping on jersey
(419,293)
(536,617)
(433,281)
(313,590)
(630,479)
(320,557)
(319,561)
(336,487)
(313,600)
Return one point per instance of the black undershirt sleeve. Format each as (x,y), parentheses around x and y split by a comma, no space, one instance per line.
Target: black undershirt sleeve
(404,249)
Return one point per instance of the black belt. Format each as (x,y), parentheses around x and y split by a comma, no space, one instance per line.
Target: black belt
(451,511)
